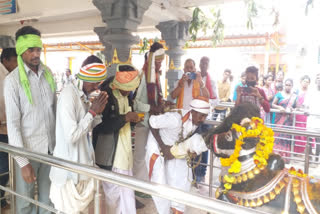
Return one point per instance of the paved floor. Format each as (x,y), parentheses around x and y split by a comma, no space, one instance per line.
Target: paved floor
(150,207)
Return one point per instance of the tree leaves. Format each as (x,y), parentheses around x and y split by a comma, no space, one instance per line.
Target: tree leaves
(252,12)
(201,23)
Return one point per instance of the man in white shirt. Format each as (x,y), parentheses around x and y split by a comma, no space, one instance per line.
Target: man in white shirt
(173,135)
(30,99)
(8,64)
(67,78)
(200,171)
(189,87)
(71,192)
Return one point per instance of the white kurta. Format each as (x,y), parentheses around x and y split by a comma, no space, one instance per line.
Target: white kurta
(71,192)
(174,173)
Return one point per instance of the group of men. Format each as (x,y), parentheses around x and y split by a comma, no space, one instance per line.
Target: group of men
(90,123)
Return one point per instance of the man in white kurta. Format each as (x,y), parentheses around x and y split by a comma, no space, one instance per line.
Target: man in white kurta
(175,172)
(71,192)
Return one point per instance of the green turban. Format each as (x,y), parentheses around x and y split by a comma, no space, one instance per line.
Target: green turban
(25,42)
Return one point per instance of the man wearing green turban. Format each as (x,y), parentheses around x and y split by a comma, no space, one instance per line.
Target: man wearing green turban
(30,100)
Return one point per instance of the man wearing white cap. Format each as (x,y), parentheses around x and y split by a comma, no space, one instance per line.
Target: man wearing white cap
(173,136)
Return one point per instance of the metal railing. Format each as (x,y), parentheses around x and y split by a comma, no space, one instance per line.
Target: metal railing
(200,202)
(273,110)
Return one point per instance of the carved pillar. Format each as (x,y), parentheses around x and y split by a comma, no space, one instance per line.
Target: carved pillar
(7,42)
(175,34)
(122,18)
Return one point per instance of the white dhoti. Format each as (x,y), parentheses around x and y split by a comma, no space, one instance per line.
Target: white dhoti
(70,198)
(119,200)
(174,173)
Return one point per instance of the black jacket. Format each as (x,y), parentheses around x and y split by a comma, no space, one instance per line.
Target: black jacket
(112,121)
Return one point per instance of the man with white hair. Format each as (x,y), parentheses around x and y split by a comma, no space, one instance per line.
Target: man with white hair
(173,137)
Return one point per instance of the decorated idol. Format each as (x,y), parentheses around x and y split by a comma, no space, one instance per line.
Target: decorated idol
(252,175)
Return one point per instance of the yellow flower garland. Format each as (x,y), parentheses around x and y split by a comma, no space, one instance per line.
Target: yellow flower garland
(263,148)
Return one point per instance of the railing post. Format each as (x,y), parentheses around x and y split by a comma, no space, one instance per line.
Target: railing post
(12,184)
(210,172)
(306,156)
(97,197)
(292,136)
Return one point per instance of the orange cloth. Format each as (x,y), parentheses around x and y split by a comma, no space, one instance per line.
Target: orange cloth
(152,161)
(175,211)
(126,76)
(195,94)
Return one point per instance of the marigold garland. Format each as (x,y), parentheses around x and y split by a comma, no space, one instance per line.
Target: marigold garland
(263,148)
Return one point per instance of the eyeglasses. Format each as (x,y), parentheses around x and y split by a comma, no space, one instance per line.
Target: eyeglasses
(288,85)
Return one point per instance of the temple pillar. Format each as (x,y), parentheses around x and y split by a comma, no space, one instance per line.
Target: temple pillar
(175,33)
(122,17)
(7,42)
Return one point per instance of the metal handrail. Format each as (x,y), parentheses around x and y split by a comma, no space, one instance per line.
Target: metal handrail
(300,132)
(163,191)
(231,105)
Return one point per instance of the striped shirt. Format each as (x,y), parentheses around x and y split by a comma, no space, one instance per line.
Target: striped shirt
(3,73)
(30,126)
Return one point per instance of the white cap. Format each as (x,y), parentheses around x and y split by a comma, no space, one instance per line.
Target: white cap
(200,105)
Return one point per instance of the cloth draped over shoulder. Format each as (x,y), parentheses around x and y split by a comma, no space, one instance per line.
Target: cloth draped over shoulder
(195,93)
(25,42)
(127,81)
(209,87)
(152,77)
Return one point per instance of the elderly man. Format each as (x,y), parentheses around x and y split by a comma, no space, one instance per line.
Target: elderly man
(174,136)
(8,64)
(112,138)
(71,192)
(30,99)
(190,86)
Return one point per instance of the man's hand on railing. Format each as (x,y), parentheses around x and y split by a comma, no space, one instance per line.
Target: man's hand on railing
(28,174)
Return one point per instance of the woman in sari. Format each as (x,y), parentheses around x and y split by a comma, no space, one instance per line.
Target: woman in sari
(301,120)
(284,101)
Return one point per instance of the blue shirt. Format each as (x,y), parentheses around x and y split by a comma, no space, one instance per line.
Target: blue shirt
(235,91)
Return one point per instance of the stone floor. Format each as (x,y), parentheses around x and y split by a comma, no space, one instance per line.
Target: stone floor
(151,209)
